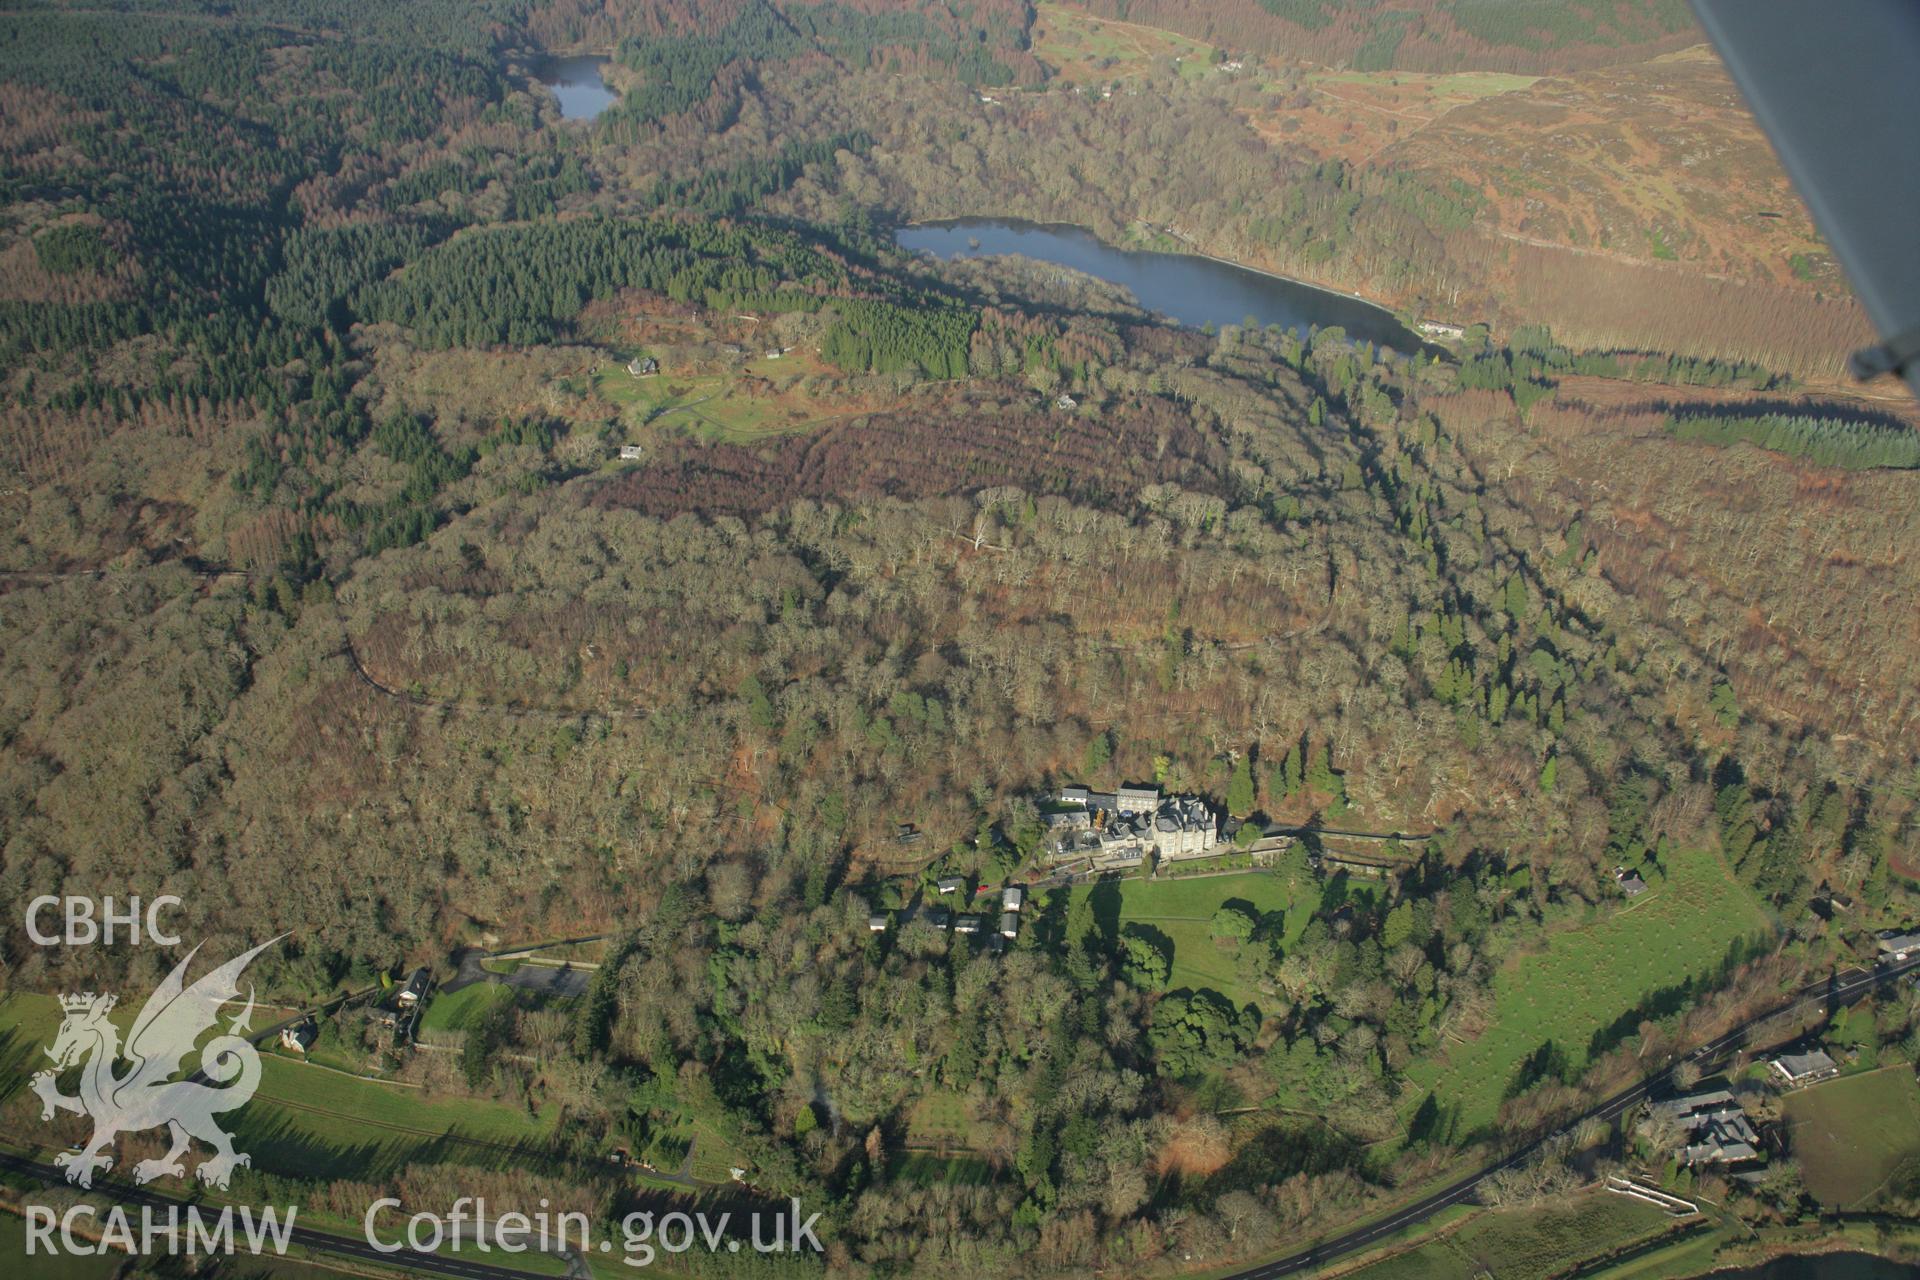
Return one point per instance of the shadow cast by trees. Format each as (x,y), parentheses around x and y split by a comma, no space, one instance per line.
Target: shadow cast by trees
(16,1056)
(1833,411)
(1549,1062)
(1106,900)
(1276,1154)
(1677,997)
(282,1146)
(1434,1123)
(1046,918)
(1333,893)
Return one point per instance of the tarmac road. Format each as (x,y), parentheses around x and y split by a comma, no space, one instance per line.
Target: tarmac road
(346,1246)
(1840,988)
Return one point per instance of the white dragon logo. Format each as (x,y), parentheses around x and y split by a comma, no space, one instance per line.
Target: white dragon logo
(147,1096)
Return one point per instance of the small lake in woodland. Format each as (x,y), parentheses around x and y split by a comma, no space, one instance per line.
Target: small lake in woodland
(1190,289)
(576,81)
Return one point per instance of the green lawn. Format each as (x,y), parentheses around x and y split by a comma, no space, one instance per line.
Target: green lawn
(304,1122)
(463,1008)
(27,1025)
(32,1016)
(1850,1134)
(379,1103)
(1183,910)
(1522,1244)
(644,399)
(1587,978)
(308,1122)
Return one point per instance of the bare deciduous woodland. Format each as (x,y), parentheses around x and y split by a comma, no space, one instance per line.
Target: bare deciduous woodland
(431,524)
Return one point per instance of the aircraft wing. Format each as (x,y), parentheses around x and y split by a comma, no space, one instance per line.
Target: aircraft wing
(1836,86)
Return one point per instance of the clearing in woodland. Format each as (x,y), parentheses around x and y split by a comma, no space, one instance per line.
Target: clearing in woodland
(1589,983)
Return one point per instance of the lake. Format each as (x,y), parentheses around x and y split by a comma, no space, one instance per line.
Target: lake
(576,81)
(1190,289)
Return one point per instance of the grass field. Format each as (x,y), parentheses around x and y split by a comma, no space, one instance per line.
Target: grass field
(1446,87)
(309,1122)
(1183,909)
(328,1052)
(14,1261)
(1524,1244)
(760,399)
(1082,48)
(413,1109)
(1355,115)
(1586,978)
(1850,1134)
(463,1008)
(27,1025)
(1597,176)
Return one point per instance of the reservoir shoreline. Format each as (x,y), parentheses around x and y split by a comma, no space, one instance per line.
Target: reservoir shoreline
(1193,250)
(1191,287)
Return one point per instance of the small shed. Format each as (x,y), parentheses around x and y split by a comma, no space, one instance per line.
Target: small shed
(1009,924)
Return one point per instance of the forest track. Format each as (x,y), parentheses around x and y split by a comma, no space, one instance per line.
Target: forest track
(421,700)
